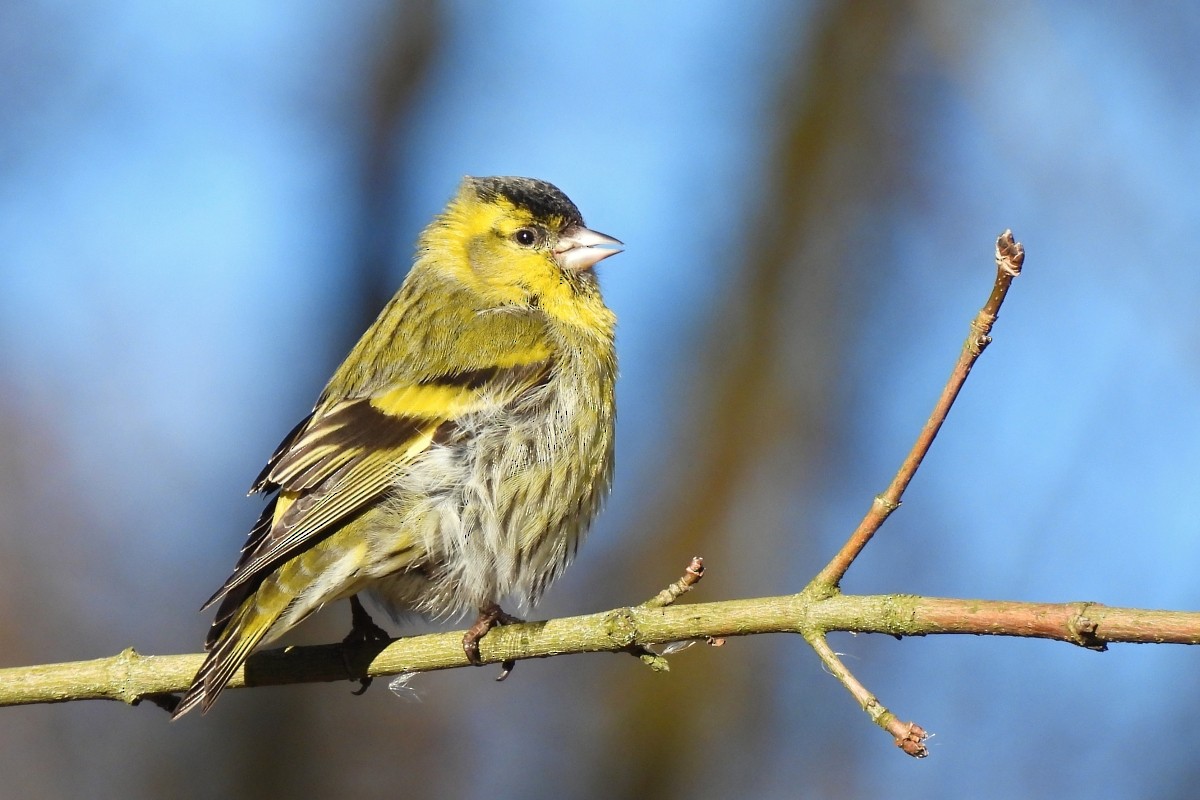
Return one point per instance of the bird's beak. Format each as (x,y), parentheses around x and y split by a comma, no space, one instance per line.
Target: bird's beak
(581,248)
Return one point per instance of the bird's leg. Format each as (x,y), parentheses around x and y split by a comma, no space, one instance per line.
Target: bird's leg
(490,616)
(362,627)
(362,630)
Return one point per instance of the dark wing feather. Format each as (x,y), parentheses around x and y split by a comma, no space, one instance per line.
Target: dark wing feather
(343,461)
(346,455)
(262,482)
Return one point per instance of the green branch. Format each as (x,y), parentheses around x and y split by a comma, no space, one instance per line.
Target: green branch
(130,677)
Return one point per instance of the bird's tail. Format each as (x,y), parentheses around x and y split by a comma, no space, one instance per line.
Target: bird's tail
(243,620)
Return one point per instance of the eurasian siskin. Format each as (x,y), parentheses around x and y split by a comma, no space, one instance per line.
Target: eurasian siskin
(459,453)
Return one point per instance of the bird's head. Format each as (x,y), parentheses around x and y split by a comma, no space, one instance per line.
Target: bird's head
(520,243)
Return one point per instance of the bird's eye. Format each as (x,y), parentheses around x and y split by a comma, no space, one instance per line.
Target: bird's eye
(526,237)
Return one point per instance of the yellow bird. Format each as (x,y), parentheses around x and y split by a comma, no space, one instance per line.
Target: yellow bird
(459,453)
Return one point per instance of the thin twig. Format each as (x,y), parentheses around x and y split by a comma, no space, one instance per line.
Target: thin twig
(1010,255)
(909,736)
(691,576)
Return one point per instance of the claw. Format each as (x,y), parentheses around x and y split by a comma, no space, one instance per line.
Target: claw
(490,616)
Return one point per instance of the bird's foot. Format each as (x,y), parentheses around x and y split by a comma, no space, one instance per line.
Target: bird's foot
(363,630)
(490,616)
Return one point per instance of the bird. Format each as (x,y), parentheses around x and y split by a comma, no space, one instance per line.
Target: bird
(460,452)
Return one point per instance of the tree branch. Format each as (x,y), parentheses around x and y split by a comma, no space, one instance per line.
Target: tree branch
(131,677)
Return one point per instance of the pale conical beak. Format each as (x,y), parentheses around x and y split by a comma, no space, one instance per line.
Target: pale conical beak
(580,248)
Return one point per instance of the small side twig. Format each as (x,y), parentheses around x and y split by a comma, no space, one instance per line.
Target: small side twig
(1010,256)
(691,576)
(909,736)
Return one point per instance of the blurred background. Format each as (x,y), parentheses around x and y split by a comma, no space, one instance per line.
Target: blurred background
(202,207)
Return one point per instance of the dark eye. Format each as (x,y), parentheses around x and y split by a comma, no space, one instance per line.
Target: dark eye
(526,237)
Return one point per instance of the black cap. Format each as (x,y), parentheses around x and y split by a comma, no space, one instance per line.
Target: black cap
(542,200)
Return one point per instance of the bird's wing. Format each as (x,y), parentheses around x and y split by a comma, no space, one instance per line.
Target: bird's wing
(348,453)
